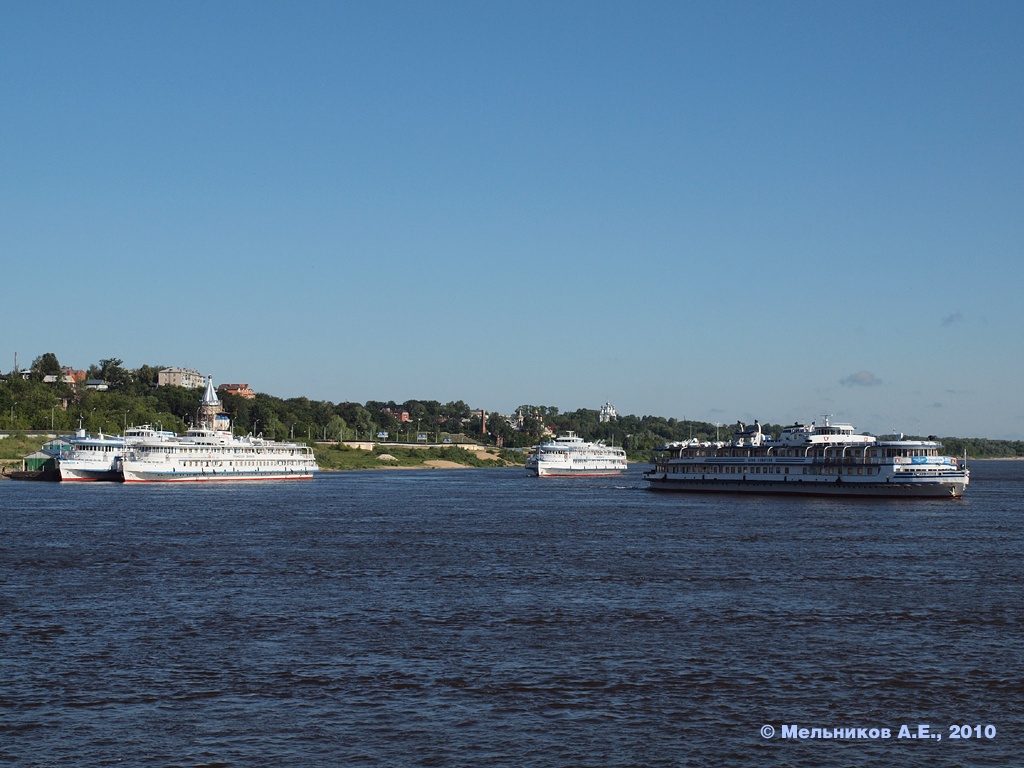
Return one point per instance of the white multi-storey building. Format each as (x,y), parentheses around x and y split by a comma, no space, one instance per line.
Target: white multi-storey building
(180,377)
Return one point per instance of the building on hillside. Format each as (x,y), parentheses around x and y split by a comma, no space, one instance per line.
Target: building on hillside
(241,390)
(402,415)
(180,377)
(67,376)
(607,413)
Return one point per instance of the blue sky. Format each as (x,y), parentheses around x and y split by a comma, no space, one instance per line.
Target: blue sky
(717,211)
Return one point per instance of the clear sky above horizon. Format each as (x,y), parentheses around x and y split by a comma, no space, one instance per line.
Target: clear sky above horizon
(716,211)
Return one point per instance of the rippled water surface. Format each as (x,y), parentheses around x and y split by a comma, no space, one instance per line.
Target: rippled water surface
(483,617)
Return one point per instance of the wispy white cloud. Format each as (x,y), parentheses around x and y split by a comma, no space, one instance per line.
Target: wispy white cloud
(861,379)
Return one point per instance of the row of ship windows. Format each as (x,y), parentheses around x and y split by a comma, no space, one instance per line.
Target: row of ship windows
(905,452)
(193,451)
(675,469)
(166,449)
(234,463)
(831,452)
(548,456)
(831,458)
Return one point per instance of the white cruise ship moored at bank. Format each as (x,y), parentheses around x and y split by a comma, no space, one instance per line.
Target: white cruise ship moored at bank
(89,458)
(827,459)
(95,457)
(569,456)
(208,454)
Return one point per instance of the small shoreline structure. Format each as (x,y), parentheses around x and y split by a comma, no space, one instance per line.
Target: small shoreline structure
(821,460)
(570,456)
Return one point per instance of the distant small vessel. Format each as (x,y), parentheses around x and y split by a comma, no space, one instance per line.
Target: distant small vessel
(569,455)
(827,459)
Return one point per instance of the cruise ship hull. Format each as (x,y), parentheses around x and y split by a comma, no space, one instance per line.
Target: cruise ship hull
(74,475)
(568,472)
(953,488)
(130,475)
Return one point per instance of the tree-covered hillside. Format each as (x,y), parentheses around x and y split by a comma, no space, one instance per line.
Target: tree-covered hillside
(131,397)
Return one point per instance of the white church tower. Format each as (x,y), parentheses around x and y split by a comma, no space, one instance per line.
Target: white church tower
(211,413)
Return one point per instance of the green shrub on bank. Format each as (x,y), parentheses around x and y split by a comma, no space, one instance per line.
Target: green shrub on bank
(18,445)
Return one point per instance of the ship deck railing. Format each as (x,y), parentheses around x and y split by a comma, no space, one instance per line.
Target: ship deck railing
(817,460)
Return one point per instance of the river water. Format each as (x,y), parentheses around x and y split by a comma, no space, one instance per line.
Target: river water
(487,618)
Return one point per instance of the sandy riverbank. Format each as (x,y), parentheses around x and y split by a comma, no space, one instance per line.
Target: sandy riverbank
(430,464)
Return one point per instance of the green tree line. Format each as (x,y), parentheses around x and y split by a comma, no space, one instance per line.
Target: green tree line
(28,402)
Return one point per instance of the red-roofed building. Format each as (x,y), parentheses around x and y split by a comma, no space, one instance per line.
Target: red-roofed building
(241,390)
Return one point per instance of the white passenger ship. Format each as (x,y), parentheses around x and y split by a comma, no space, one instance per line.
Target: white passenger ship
(208,454)
(827,459)
(570,455)
(95,457)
